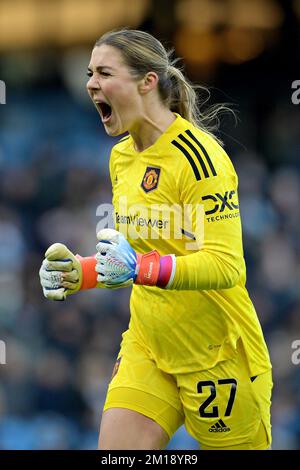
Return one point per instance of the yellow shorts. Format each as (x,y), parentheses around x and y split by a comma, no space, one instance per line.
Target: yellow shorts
(222,408)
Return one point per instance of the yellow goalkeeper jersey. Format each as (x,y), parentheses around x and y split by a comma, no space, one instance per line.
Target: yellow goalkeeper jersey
(180,196)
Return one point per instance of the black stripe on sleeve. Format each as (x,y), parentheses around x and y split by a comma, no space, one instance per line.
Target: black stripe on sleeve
(197,154)
(190,159)
(191,135)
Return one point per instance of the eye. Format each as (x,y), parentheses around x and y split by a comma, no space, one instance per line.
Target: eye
(105,74)
(89,73)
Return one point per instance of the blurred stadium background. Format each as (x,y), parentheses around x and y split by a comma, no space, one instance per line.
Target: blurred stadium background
(54,174)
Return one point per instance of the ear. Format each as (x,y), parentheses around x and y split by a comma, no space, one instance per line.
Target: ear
(148,82)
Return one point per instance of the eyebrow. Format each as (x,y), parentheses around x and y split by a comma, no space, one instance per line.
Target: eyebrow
(100,67)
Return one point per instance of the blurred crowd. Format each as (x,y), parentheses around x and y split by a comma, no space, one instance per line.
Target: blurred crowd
(60,355)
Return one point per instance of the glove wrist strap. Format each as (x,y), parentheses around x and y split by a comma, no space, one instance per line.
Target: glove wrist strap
(148,268)
(155,270)
(89,275)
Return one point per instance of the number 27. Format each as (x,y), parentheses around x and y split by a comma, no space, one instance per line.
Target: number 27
(214,413)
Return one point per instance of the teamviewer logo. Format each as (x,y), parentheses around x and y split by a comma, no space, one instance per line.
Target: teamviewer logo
(2,92)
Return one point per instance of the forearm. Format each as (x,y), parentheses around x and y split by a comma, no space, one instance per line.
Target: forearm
(204,271)
(197,271)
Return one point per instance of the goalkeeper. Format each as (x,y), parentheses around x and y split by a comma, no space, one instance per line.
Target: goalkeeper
(194,351)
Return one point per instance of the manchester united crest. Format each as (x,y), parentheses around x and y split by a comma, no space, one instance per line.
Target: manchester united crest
(150,179)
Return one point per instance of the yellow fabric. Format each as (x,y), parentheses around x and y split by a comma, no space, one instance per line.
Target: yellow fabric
(196,323)
(172,400)
(260,442)
(138,385)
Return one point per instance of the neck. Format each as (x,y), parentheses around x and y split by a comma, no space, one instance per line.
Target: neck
(150,127)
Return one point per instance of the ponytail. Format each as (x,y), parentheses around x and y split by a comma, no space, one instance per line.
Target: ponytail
(184,99)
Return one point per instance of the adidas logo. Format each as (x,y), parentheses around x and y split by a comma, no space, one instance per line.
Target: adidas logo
(220,426)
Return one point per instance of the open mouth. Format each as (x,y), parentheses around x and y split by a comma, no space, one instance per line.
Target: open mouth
(104,109)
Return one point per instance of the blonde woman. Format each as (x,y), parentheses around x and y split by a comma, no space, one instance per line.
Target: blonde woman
(194,351)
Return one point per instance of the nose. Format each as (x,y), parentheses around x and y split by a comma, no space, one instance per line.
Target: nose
(93,84)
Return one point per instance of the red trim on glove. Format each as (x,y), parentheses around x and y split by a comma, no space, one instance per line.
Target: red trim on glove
(148,268)
(89,275)
(153,269)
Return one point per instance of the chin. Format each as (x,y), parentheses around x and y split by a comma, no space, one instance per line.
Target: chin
(113,133)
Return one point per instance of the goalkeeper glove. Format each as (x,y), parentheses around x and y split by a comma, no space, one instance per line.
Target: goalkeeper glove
(118,265)
(62,273)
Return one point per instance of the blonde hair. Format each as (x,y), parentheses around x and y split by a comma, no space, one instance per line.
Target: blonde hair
(143,53)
